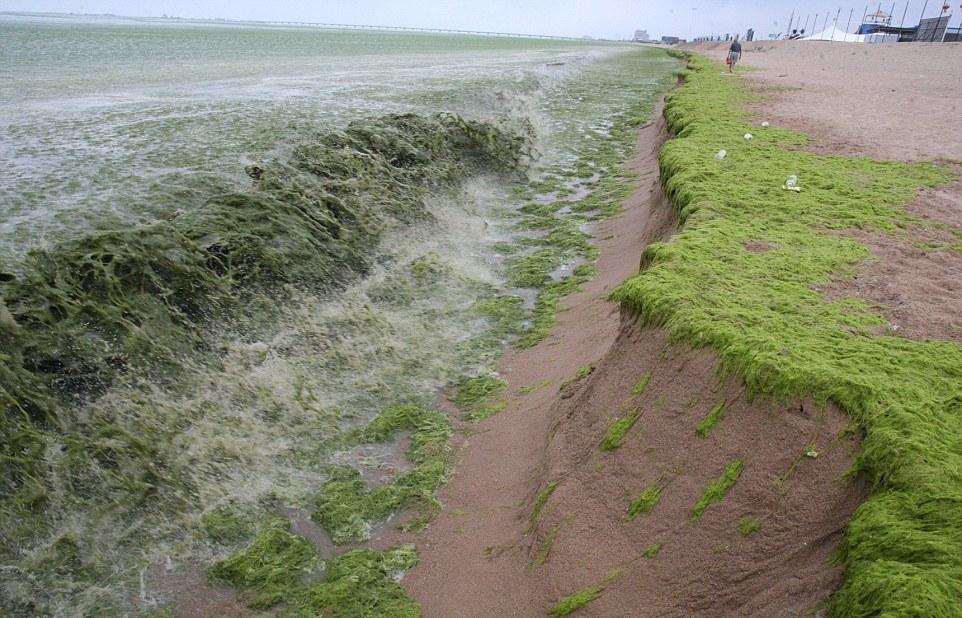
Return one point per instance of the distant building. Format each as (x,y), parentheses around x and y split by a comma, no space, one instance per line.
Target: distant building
(670,40)
(932,29)
(641,35)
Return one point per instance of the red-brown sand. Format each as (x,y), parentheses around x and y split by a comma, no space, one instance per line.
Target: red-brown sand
(485,557)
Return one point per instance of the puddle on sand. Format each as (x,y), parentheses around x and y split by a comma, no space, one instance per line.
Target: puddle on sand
(546,198)
(528,298)
(580,188)
(303,525)
(566,270)
(378,463)
(186,589)
(589,227)
(186,586)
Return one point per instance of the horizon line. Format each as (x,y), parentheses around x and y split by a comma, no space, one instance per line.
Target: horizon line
(323,25)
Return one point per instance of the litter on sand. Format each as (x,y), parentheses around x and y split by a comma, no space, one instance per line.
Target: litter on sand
(765,124)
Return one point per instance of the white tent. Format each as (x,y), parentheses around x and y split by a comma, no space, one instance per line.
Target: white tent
(832,33)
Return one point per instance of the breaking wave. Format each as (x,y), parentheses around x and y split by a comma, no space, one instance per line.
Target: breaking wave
(148,370)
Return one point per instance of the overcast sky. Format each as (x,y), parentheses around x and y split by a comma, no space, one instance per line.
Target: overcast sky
(599,18)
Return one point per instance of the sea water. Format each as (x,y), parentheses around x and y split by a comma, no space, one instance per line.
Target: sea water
(111,124)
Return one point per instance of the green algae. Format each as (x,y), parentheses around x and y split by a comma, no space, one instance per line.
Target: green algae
(749,525)
(226,525)
(348,510)
(65,567)
(616,432)
(356,584)
(597,168)
(359,584)
(269,569)
(646,501)
(234,257)
(421,277)
(581,374)
(546,306)
(717,489)
(478,397)
(572,603)
(652,551)
(639,388)
(544,548)
(540,501)
(505,316)
(135,305)
(762,312)
(714,416)
(531,388)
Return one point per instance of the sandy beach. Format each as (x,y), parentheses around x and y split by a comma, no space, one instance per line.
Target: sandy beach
(895,101)
(300,319)
(536,510)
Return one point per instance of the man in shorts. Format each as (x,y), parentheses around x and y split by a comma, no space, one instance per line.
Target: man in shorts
(734,54)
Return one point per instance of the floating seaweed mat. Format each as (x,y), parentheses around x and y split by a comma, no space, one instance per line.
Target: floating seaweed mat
(136,300)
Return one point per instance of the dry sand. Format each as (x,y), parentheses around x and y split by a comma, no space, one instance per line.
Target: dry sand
(482,557)
(895,101)
(901,102)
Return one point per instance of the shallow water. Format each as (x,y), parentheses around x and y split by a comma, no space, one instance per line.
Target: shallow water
(113,124)
(126,121)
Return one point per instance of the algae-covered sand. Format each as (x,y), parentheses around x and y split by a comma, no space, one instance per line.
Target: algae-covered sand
(762,311)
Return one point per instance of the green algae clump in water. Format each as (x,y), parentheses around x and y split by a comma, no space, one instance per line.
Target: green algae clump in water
(138,306)
(78,315)
(270,568)
(348,510)
(360,583)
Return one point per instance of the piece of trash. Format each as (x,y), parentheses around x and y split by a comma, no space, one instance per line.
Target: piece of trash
(721,154)
(765,124)
(792,184)
(811,454)
(748,137)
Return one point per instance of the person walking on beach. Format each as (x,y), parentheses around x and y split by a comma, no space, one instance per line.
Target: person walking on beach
(734,54)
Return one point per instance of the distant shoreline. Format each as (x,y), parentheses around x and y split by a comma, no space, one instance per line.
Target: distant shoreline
(320,25)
